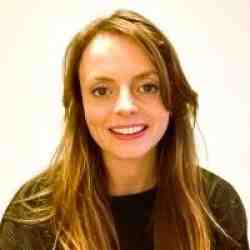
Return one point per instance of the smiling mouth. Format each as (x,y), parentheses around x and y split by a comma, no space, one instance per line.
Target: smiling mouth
(129,136)
(133,130)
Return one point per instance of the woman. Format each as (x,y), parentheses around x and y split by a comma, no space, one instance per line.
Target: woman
(126,173)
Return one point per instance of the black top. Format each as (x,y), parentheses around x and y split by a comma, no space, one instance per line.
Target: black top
(131,214)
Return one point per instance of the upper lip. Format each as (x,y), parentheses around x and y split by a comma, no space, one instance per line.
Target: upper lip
(128,126)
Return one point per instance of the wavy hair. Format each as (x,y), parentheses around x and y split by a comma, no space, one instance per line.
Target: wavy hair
(73,192)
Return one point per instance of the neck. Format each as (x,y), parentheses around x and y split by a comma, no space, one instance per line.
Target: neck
(129,176)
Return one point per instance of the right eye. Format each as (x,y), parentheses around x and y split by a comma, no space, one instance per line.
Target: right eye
(100,91)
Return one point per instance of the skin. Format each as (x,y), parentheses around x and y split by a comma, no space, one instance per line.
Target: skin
(122,99)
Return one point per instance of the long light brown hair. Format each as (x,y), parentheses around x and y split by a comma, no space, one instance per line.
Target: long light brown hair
(72,192)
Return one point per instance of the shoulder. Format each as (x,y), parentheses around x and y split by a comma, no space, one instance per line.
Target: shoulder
(27,197)
(15,227)
(221,194)
(218,189)
(226,206)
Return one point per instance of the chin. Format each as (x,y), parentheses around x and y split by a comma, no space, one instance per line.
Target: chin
(132,154)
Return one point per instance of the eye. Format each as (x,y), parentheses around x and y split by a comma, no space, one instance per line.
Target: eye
(100,91)
(149,88)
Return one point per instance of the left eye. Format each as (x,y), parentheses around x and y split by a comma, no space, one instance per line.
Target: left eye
(149,88)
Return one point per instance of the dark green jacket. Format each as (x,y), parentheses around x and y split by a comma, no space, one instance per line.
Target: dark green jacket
(224,202)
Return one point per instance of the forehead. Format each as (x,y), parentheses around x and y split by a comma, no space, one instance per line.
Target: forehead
(114,55)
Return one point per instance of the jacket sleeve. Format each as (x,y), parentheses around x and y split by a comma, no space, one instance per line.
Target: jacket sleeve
(229,211)
(19,236)
(15,236)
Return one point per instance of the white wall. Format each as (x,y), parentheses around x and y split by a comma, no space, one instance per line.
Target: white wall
(212,39)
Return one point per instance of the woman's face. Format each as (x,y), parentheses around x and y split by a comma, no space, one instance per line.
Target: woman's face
(121,97)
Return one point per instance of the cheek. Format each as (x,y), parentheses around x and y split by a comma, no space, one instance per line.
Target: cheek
(94,121)
(162,118)
(95,116)
(160,112)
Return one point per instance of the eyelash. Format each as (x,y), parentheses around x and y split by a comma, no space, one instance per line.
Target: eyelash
(156,89)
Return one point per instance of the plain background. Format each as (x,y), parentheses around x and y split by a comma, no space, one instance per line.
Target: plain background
(212,39)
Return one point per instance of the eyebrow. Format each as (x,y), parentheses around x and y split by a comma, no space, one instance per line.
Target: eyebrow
(138,76)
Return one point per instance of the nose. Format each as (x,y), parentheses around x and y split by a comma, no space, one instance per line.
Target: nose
(125,103)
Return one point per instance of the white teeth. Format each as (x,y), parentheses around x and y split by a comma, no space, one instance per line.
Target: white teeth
(130,130)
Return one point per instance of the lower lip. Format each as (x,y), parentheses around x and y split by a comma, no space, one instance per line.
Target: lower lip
(129,137)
